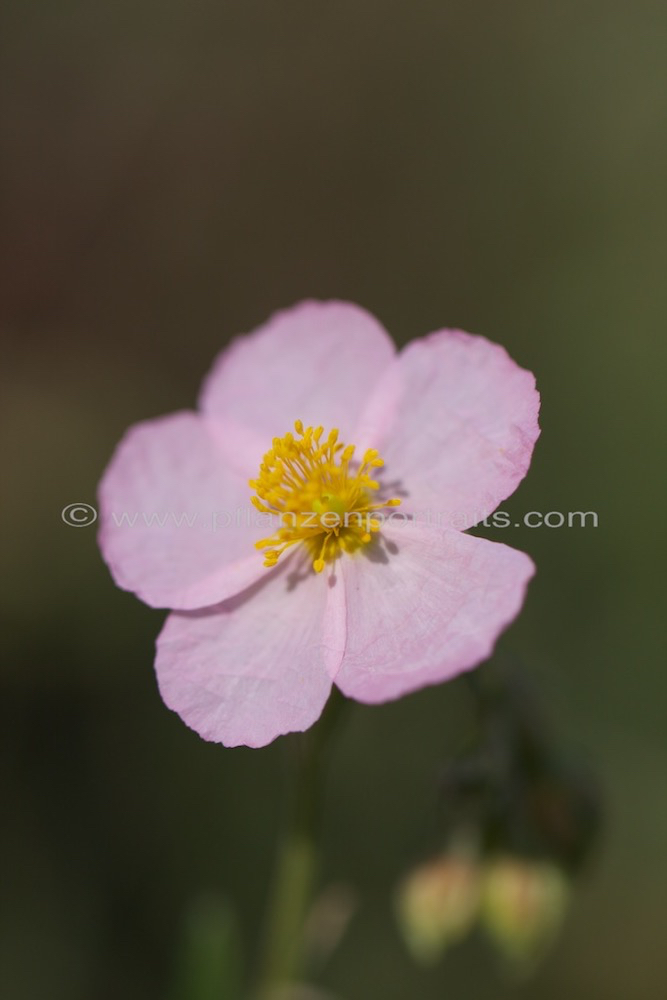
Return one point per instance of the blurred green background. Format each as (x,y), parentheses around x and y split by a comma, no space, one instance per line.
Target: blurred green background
(172,173)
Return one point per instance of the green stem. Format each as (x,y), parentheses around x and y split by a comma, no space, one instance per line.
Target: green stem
(297,861)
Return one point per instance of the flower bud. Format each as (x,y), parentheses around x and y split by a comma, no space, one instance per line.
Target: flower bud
(437,904)
(523,905)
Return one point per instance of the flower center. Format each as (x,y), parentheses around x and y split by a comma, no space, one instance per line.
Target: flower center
(321,496)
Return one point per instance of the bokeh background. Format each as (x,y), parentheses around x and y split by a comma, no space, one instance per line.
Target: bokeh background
(172,173)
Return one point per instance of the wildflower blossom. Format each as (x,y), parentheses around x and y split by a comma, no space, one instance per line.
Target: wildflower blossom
(318,419)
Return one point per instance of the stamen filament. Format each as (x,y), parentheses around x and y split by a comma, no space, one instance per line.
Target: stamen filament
(321,499)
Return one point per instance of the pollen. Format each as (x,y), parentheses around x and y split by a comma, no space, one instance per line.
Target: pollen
(321,497)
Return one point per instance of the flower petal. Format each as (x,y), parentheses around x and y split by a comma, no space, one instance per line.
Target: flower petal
(425,607)
(177,527)
(314,362)
(455,420)
(254,667)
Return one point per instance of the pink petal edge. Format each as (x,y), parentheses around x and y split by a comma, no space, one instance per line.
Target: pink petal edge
(425,606)
(314,362)
(455,419)
(253,668)
(172,468)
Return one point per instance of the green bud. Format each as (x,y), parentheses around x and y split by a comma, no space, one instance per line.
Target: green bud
(437,903)
(523,905)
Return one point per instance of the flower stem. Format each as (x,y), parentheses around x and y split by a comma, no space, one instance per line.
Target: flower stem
(297,862)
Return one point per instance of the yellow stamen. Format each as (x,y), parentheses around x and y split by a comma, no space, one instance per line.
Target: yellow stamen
(322,500)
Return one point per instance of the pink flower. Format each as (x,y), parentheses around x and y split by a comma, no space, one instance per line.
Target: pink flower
(377,604)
